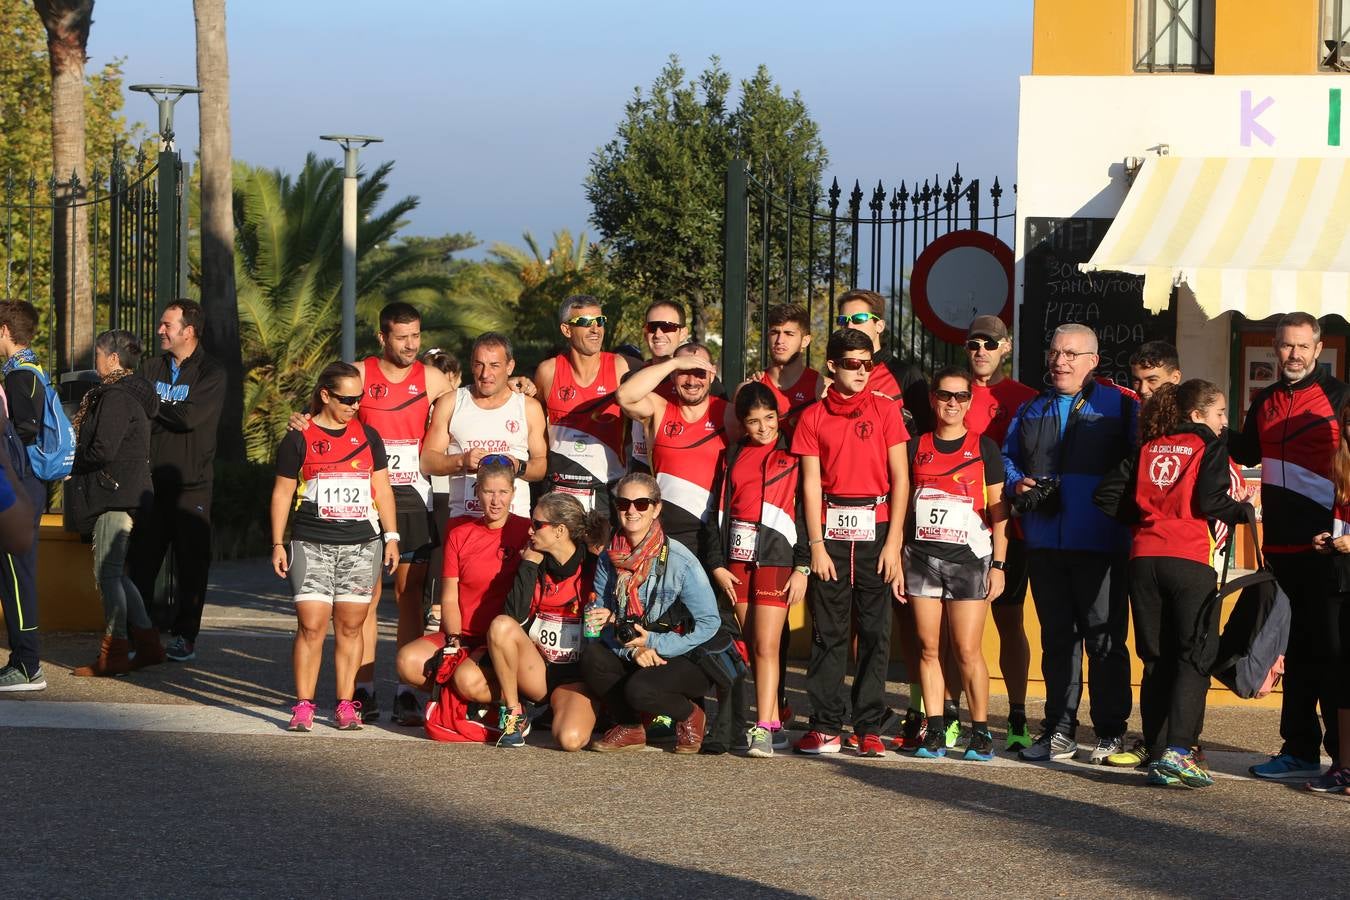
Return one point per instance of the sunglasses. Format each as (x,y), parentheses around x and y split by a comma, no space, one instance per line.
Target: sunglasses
(697,373)
(346,399)
(854,365)
(641,504)
(975,343)
(540,526)
(860,318)
(498,459)
(664,327)
(587,321)
(948,396)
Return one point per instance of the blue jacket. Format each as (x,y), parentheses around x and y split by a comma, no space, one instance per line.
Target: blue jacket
(681,579)
(1100,429)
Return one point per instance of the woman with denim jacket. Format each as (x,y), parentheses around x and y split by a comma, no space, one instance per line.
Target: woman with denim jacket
(654,607)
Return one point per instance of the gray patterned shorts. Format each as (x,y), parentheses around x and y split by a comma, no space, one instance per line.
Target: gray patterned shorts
(334,573)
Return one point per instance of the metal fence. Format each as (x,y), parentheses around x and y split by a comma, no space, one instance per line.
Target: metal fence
(95,254)
(785,247)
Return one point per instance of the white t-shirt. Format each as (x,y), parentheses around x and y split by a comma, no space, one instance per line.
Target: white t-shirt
(501,430)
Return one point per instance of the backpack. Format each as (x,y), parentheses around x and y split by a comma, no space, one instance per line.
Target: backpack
(1250,656)
(52,456)
(448,717)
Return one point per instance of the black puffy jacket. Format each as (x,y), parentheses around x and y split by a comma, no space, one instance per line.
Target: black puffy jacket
(112,452)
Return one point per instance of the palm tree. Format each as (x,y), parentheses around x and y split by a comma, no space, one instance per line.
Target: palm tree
(288,272)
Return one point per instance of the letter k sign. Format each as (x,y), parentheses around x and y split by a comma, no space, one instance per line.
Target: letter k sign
(1249,116)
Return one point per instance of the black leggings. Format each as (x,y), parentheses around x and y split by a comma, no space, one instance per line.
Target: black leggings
(1167,597)
(630,690)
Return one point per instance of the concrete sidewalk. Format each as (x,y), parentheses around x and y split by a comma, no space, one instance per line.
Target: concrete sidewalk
(180,781)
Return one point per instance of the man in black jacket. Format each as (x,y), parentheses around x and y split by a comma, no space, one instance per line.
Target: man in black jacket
(191,388)
(26,394)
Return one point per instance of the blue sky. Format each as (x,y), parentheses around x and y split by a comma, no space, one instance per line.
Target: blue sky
(491,111)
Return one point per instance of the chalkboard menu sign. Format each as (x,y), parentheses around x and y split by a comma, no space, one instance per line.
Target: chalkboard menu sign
(1055,292)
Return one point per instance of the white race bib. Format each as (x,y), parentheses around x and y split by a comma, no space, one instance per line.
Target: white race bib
(341,496)
(558,638)
(586,496)
(942,517)
(850,523)
(405,464)
(744,541)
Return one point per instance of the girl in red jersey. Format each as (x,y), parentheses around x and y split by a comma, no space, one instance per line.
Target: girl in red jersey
(1179,483)
(954,555)
(753,540)
(536,642)
(478,567)
(342,503)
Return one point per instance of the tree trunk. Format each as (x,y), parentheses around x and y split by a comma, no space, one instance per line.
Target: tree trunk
(219,302)
(67,23)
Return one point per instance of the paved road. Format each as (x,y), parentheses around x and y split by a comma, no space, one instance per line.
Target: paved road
(180,782)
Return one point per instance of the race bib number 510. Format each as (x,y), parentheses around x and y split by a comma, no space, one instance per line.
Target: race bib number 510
(850,523)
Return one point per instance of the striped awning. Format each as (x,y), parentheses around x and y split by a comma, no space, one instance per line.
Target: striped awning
(1257,235)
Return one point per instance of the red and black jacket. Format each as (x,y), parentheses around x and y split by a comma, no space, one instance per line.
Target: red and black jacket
(780,480)
(535,589)
(1293,430)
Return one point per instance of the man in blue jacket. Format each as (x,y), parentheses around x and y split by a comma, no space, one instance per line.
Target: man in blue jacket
(1056,451)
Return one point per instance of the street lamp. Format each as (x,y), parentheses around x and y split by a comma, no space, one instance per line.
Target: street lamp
(165,96)
(351,144)
(170,277)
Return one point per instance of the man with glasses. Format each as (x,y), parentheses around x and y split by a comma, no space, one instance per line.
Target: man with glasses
(1057,449)
(995,399)
(663,330)
(865,311)
(688,436)
(487,418)
(855,486)
(580,389)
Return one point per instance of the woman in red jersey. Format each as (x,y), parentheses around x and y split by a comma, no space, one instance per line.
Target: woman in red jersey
(955,554)
(478,567)
(754,540)
(1177,486)
(336,472)
(536,642)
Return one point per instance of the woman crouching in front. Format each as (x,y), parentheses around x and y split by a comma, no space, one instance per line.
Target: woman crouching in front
(342,503)
(653,607)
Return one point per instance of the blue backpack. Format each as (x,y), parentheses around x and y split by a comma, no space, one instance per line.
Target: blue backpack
(52,455)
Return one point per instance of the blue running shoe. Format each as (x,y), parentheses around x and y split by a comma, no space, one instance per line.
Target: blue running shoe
(1286,766)
(1182,767)
(980,748)
(1157,776)
(934,745)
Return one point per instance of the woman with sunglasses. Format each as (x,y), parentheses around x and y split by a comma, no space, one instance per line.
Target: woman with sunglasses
(478,567)
(653,607)
(753,541)
(535,644)
(337,474)
(955,551)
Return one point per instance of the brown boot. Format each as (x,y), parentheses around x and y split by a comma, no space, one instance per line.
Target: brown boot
(149,651)
(621,737)
(689,731)
(112,660)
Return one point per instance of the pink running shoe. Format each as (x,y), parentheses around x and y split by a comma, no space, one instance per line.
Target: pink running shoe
(302,716)
(347,716)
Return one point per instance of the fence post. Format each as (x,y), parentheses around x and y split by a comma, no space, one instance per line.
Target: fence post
(166,236)
(735,252)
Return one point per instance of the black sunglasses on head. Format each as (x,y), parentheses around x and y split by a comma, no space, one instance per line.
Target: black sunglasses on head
(641,504)
(498,459)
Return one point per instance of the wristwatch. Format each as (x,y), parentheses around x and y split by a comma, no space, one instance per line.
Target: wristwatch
(520,468)
(802,570)
(999,564)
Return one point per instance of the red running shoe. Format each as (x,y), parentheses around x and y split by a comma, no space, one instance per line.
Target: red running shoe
(871,746)
(815,743)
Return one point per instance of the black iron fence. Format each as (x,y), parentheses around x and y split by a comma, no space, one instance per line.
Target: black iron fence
(95,254)
(785,246)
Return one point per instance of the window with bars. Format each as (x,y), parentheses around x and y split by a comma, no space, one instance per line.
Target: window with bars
(1174,35)
(1334,49)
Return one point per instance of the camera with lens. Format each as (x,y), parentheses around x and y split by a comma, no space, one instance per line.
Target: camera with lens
(625,631)
(1043,497)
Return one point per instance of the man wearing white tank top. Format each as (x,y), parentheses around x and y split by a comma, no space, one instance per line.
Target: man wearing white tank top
(487,418)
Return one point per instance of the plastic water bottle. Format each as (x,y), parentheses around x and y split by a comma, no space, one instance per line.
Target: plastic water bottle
(586,629)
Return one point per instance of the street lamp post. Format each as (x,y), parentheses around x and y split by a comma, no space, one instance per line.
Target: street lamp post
(170,267)
(351,145)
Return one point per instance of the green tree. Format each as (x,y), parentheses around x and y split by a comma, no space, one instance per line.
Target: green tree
(657,189)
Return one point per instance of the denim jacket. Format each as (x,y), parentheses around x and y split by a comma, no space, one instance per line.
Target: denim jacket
(682,579)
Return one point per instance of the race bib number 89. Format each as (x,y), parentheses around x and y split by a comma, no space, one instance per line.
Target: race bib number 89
(558,638)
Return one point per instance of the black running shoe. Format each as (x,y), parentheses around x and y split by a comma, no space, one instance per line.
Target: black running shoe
(407,711)
(370,709)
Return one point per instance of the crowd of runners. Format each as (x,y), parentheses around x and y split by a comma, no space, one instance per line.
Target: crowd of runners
(609,543)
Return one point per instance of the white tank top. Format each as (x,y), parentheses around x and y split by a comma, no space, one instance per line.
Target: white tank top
(500,430)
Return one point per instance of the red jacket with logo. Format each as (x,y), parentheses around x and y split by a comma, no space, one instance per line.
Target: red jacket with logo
(1181,482)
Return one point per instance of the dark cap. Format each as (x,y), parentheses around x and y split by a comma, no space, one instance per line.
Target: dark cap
(989,327)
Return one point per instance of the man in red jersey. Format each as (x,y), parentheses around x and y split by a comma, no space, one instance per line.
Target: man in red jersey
(663,331)
(398,394)
(855,484)
(903,382)
(580,389)
(688,437)
(794,384)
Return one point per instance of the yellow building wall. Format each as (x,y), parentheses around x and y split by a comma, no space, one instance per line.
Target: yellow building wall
(1267,37)
(1082,37)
